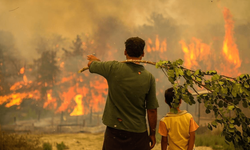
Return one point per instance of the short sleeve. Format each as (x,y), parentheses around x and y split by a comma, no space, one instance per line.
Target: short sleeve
(151,100)
(101,68)
(193,125)
(162,129)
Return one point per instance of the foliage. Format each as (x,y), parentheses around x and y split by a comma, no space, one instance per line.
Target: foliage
(61,146)
(216,142)
(18,142)
(224,94)
(47,146)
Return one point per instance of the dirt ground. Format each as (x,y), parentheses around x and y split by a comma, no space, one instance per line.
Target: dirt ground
(85,141)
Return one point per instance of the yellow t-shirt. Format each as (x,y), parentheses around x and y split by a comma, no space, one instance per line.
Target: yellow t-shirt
(177,127)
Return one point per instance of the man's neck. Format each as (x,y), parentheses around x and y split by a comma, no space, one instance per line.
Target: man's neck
(134,58)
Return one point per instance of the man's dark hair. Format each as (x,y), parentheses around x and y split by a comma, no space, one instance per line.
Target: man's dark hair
(135,46)
(169,96)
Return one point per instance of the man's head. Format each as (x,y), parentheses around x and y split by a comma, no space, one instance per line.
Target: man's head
(134,47)
(169,96)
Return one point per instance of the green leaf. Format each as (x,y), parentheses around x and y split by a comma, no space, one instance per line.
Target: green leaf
(199,79)
(207,111)
(225,104)
(246,85)
(231,126)
(180,72)
(212,72)
(221,104)
(244,104)
(176,72)
(173,110)
(230,107)
(224,90)
(214,123)
(179,61)
(221,83)
(231,130)
(197,72)
(159,64)
(242,76)
(209,127)
(234,92)
(215,77)
(188,73)
(171,73)
(171,80)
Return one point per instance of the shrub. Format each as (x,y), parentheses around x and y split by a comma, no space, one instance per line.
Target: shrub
(47,146)
(10,141)
(61,146)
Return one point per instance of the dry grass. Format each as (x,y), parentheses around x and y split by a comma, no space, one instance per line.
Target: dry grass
(73,141)
(12,141)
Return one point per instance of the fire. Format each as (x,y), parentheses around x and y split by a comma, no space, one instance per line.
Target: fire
(50,100)
(17,85)
(67,96)
(25,79)
(157,45)
(195,52)
(22,70)
(78,110)
(80,94)
(16,98)
(198,54)
(97,99)
(230,49)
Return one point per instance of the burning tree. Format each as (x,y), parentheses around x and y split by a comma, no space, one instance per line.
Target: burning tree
(46,72)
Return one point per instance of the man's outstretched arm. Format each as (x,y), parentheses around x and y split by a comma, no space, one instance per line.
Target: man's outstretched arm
(92,58)
(152,120)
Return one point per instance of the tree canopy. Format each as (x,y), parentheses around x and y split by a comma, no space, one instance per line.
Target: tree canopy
(224,95)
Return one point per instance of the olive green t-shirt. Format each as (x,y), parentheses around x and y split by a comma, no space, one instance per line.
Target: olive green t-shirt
(131,91)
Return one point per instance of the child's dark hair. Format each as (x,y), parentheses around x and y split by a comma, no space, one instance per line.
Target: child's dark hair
(169,96)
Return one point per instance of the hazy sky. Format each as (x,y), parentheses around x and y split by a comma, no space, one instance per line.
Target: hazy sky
(27,18)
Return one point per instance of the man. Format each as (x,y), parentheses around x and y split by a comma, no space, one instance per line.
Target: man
(131,93)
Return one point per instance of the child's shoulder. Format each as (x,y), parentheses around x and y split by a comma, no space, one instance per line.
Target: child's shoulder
(179,114)
(189,115)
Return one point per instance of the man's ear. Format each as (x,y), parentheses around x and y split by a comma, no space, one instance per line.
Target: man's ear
(125,52)
(142,55)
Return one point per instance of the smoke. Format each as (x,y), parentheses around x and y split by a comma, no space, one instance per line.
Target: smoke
(26,18)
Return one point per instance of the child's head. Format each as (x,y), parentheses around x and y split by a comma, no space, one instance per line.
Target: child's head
(169,96)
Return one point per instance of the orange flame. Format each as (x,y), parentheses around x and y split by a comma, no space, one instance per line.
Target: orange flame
(157,46)
(67,97)
(230,49)
(77,94)
(78,110)
(195,52)
(22,70)
(97,99)
(16,98)
(50,100)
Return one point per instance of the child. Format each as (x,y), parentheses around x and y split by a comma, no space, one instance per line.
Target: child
(177,130)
